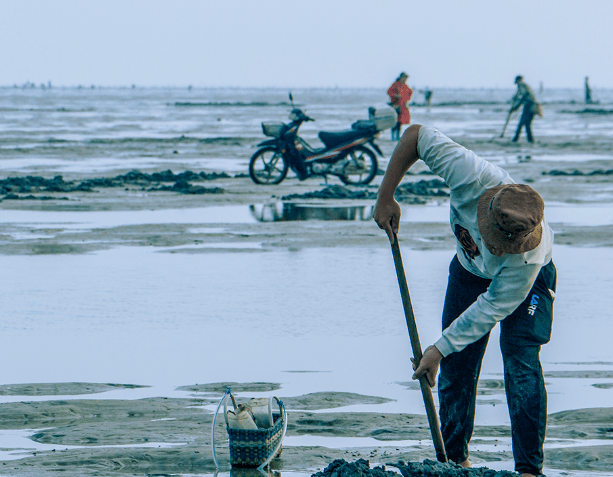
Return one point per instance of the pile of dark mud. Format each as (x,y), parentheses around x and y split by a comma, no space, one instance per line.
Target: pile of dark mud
(184,187)
(334,192)
(576,172)
(408,193)
(432,188)
(428,468)
(32,184)
(433,468)
(597,111)
(30,197)
(359,468)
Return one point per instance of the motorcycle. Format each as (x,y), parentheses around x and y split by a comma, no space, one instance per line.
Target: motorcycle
(344,154)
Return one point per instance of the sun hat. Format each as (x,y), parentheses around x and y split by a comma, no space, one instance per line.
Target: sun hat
(510,216)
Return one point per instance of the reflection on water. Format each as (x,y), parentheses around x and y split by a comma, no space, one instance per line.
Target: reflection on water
(253,472)
(281,212)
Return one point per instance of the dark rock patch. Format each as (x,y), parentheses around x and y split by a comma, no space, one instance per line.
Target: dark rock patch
(334,192)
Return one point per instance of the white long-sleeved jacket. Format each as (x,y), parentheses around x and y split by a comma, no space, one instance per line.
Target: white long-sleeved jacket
(512,275)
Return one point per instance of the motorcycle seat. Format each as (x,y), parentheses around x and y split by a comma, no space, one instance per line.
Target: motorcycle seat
(333,139)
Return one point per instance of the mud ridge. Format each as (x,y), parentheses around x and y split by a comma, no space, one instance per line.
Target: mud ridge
(29,184)
(334,192)
(428,468)
(577,172)
(432,468)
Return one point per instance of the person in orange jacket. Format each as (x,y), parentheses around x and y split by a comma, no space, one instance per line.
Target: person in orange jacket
(400,95)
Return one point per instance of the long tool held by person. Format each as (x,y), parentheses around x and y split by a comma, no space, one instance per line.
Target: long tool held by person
(426,392)
(507,122)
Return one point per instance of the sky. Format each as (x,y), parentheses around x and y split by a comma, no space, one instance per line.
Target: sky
(306,43)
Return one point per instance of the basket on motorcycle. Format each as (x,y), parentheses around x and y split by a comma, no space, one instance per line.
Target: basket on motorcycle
(364,125)
(384,118)
(272,129)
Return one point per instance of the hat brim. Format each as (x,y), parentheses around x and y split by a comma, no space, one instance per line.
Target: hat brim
(493,236)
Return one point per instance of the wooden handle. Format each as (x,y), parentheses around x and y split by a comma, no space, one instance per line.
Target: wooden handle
(505,124)
(426,391)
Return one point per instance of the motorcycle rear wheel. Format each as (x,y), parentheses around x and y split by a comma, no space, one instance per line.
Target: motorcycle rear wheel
(360,166)
(265,168)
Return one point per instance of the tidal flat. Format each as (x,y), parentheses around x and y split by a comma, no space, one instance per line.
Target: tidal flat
(130,304)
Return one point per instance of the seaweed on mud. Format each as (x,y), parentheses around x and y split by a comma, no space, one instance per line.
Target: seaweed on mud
(405,193)
(359,468)
(184,187)
(29,184)
(577,172)
(428,468)
(334,192)
(230,104)
(597,111)
(431,188)
(12,196)
(432,468)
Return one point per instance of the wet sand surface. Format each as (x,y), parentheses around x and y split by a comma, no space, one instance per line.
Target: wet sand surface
(172,435)
(141,427)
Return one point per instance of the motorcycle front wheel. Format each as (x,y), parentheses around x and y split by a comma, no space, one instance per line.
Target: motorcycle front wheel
(267,166)
(360,166)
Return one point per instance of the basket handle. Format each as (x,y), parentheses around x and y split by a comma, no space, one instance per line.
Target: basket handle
(225,405)
(281,406)
(224,401)
(283,415)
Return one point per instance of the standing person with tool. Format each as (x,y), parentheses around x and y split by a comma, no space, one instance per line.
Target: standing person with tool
(400,95)
(526,97)
(502,272)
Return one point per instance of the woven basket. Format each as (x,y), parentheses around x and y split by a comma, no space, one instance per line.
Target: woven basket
(251,447)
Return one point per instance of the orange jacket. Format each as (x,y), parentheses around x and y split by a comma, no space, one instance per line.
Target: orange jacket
(400,95)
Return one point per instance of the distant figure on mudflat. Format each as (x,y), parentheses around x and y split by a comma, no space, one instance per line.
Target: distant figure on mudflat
(588,92)
(526,97)
(428,96)
(400,95)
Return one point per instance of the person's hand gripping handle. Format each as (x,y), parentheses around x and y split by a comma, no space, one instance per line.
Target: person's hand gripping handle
(387,217)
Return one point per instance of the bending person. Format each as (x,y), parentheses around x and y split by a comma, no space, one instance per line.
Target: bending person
(526,97)
(502,273)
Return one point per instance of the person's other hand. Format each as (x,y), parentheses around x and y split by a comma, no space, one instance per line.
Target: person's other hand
(428,365)
(387,216)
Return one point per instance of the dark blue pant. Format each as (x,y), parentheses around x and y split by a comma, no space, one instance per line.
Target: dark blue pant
(521,336)
(525,121)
